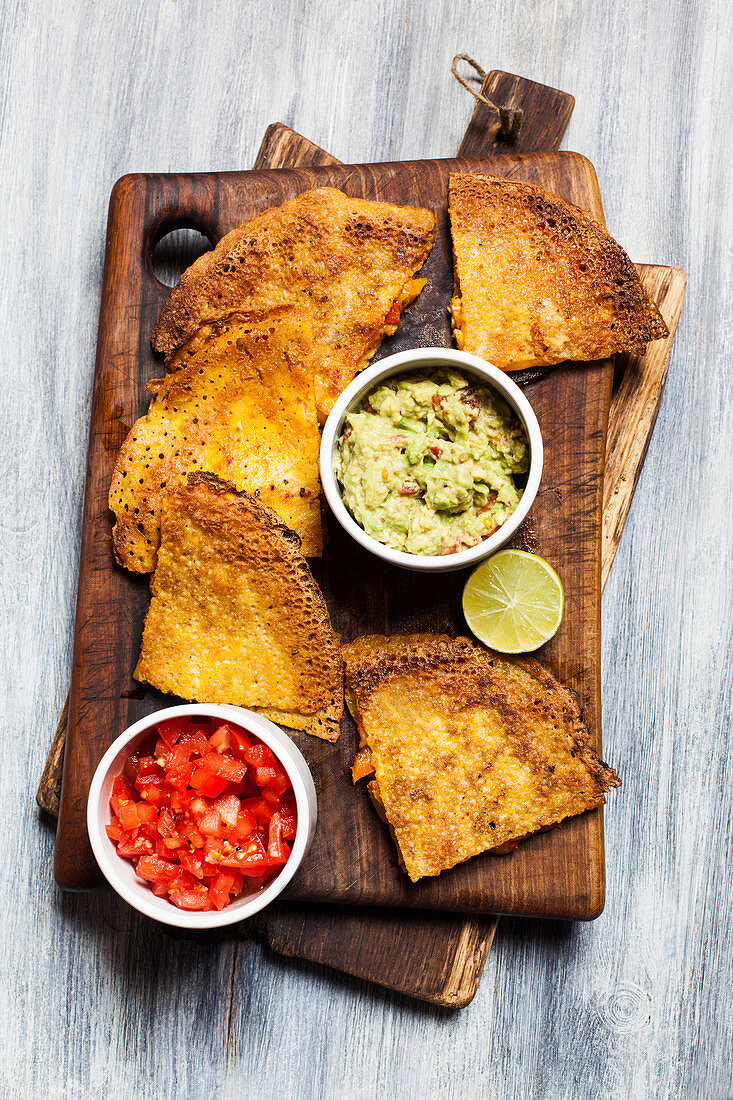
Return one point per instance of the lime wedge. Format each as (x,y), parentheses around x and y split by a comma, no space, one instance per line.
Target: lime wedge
(513,602)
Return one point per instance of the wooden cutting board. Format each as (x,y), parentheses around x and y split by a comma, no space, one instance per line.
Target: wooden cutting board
(352,859)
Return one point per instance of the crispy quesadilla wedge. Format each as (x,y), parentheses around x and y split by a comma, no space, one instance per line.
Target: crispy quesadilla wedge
(538,281)
(235,615)
(240,404)
(350,263)
(467,750)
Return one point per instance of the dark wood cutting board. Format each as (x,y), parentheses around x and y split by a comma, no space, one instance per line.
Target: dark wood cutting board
(352,860)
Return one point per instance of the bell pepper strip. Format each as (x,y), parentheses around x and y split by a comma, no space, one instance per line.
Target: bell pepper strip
(393,313)
(362,765)
(204,811)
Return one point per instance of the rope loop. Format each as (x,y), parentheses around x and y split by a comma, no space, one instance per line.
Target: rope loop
(510,118)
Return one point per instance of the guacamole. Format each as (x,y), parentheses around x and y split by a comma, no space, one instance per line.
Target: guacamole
(427,463)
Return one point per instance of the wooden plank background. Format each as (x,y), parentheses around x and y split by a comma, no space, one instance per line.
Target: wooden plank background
(637,1004)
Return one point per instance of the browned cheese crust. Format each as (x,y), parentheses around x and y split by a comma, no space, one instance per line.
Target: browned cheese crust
(538,281)
(240,405)
(236,616)
(345,261)
(470,749)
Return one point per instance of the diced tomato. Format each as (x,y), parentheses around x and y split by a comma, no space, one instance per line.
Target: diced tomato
(205,782)
(288,815)
(260,756)
(259,809)
(281,783)
(264,775)
(166,824)
(221,740)
(228,808)
(226,767)
(190,833)
(170,730)
(146,813)
(178,768)
(272,798)
(148,765)
(199,813)
(277,850)
(223,885)
(129,816)
(151,784)
(436,450)
(188,893)
(240,743)
(193,863)
(250,857)
(121,795)
(210,823)
(195,743)
(131,845)
(166,846)
(244,825)
(215,847)
(155,869)
(180,800)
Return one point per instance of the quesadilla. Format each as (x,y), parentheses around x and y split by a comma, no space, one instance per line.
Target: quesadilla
(236,616)
(239,404)
(466,751)
(348,262)
(538,281)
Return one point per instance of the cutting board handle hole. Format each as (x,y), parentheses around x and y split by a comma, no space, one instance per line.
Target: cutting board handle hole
(175,251)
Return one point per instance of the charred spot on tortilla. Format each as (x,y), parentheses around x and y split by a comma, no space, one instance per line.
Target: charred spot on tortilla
(539,281)
(349,263)
(236,615)
(466,751)
(239,404)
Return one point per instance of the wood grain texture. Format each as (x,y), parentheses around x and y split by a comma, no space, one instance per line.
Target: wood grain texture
(435,958)
(545,114)
(48,794)
(638,1004)
(352,859)
(634,409)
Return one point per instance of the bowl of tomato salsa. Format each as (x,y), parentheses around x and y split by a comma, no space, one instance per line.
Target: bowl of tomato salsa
(200,815)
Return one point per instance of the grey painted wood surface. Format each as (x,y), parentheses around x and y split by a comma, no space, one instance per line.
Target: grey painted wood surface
(96,1001)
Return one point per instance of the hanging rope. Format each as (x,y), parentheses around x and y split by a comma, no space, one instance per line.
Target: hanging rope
(510,118)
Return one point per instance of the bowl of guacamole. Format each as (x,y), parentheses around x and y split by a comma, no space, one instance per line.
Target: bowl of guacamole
(431,459)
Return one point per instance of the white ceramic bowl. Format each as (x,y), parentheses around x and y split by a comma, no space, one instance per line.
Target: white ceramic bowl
(409,362)
(120,873)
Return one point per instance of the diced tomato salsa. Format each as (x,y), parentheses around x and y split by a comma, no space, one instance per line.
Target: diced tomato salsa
(205,812)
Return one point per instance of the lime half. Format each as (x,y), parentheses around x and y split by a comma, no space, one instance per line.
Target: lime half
(513,602)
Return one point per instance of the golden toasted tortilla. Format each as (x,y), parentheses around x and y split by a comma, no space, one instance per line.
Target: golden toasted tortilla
(240,405)
(346,261)
(538,281)
(236,616)
(468,750)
